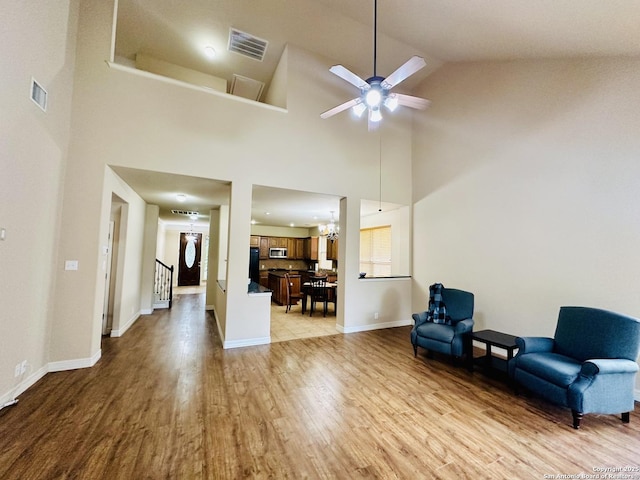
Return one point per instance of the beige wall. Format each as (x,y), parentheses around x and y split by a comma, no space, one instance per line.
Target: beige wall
(525,184)
(133,120)
(37,39)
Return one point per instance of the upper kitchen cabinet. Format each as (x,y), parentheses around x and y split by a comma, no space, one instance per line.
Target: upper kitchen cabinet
(277,242)
(332,250)
(254,241)
(311,248)
(264,248)
(296,248)
(291,249)
(300,248)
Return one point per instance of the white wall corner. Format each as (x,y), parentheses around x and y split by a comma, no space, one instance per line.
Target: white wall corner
(120,331)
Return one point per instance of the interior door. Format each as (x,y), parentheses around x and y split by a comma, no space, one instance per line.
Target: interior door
(189,261)
(107,313)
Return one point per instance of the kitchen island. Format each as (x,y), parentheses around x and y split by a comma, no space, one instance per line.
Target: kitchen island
(278,285)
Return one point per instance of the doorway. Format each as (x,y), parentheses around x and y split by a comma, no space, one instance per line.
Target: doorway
(189,259)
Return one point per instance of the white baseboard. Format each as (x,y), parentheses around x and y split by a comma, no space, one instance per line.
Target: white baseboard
(23,385)
(74,364)
(149,311)
(374,326)
(249,342)
(120,331)
(28,382)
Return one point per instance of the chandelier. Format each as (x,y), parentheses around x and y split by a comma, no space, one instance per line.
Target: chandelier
(330,230)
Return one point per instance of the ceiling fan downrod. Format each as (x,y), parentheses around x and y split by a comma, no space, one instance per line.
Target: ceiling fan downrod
(375,37)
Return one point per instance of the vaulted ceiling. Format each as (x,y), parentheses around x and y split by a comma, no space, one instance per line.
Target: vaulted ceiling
(342,31)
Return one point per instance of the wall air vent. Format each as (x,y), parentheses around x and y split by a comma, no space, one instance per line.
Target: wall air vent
(247,45)
(246,87)
(38,95)
(184,212)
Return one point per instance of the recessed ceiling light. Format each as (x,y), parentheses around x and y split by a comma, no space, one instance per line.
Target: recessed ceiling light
(291,225)
(181,197)
(253,222)
(267,213)
(210,52)
(193,217)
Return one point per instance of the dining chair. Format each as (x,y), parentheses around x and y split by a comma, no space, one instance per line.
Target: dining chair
(318,292)
(291,297)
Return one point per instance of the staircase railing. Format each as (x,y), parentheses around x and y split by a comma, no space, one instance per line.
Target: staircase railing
(163,285)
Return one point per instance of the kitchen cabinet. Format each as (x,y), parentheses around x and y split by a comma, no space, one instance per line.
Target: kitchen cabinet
(278,286)
(296,248)
(332,250)
(311,249)
(277,242)
(292,254)
(264,248)
(300,249)
(264,278)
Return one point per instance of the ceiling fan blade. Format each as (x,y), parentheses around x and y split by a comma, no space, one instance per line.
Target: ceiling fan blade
(340,108)
(350,77)
(410,67)
(411,101)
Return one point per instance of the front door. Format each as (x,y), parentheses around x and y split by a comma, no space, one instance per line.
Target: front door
(189,262)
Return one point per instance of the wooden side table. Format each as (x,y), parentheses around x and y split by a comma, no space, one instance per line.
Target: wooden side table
(491,338)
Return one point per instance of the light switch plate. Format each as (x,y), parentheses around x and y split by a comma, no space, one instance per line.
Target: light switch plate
(71,265)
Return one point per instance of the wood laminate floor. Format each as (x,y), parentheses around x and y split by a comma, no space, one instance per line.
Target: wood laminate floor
(167,402)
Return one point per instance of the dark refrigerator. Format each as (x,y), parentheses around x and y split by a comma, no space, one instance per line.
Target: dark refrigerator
(254,264)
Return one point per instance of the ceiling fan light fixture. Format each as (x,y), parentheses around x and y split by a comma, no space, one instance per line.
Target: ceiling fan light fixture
(373,98)
(391,102)
(359,109)
(375,115)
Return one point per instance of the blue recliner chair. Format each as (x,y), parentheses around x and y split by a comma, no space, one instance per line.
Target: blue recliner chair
(589,365)
(451,338)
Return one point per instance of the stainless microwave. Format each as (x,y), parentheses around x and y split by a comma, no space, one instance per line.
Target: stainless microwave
(277,253)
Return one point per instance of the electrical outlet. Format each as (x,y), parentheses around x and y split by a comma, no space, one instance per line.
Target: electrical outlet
(376,315)
(16,371)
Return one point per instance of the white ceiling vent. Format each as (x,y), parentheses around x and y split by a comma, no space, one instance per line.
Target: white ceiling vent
(247,45)
(184,212)
(246,87)
(38,95)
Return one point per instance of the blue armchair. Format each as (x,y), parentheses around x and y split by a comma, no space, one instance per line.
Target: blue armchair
(589,365)
(450,339)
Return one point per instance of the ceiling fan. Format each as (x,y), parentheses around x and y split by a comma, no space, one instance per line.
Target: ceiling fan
(375,91)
